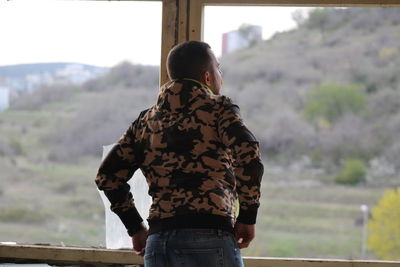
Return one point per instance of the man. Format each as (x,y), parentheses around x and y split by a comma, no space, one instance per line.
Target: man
(198,158)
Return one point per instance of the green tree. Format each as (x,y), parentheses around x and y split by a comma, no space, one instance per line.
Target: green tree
(331,101)
(352,173)
(384,228)
(318,19)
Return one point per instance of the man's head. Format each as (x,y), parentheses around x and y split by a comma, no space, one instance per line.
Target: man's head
(194,60)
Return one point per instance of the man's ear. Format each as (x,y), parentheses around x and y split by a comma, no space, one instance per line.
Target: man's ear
(206,78)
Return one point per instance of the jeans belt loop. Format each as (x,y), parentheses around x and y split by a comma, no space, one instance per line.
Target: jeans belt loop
(220,233)
(173,233)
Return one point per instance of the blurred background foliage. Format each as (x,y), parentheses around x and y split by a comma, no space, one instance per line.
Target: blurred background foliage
(384,238)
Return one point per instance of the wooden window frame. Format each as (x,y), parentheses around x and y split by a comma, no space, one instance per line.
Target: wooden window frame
(182,20)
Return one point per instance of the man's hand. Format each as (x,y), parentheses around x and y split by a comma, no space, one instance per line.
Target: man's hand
(139,241)
(244,234)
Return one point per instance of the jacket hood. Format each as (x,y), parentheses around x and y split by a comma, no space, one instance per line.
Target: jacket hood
(177,95)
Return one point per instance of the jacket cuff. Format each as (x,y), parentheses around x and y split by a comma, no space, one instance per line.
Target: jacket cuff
(247,216)
(134,230)
(132,220)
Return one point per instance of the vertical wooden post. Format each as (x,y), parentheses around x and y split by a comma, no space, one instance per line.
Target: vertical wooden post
(195,20)
(182,21)
(169,34)
(183,28)
(174,29)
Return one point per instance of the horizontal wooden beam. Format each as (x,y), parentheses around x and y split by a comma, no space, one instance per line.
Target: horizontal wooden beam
(339,3)
(296,262)
(100,256)
(291,2)
(68,254)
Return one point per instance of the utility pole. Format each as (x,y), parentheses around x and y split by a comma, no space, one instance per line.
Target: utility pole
(364,209)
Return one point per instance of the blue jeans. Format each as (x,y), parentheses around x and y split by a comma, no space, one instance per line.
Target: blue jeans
(191,248)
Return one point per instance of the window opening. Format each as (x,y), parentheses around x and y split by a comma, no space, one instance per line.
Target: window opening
(319,87)
(73,76)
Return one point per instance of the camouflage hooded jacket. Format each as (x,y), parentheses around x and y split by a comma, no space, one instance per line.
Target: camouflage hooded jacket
(197,157)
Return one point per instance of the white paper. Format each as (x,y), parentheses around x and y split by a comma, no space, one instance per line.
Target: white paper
(116,234)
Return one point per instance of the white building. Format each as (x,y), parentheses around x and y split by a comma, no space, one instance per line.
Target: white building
(244,37)
(4,98)
(77,73)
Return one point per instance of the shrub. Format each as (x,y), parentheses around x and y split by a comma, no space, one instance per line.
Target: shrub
(349,137)
(16,147)
(318,18)
(331,101)
(44,95)
(106,117)
(384,234)
(352,173)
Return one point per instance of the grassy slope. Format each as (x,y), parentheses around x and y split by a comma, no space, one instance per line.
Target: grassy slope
(43,201)
(56,203)
(314,221)
(53,203)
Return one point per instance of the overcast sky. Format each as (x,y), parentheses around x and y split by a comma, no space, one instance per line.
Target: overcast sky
(104,33)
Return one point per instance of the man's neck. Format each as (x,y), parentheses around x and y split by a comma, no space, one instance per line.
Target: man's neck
(202,84)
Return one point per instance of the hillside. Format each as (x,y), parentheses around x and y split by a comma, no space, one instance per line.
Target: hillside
(50,142)
(274,80)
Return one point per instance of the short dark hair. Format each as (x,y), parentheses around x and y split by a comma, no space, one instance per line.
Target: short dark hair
(189,60)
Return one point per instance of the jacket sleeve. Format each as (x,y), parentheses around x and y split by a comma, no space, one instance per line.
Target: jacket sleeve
(247,165)
(113,175)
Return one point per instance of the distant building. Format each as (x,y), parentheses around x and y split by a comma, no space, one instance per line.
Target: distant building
(28,79)
(77,73)
(4,98)
(244,37)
